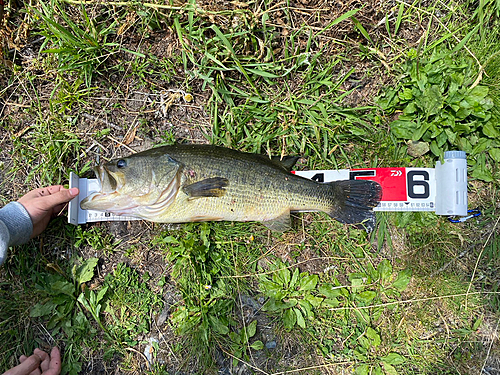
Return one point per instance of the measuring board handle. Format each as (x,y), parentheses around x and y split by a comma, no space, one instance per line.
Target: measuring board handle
(451,184)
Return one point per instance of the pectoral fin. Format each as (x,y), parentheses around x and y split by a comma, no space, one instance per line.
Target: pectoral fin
(279,224)
(210,187)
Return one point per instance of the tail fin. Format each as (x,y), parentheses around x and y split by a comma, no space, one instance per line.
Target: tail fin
(357,199)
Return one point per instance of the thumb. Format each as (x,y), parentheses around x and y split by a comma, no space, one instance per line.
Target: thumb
(54,199)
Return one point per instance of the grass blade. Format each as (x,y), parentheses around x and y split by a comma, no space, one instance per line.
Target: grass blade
(339,20)
(460,45)
(400,18)
(361,29)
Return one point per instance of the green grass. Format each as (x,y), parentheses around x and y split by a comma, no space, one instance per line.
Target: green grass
(341,89)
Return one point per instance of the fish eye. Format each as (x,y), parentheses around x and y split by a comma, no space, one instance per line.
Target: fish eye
(121,163)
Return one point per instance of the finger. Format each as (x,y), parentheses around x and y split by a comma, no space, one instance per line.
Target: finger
(62,196)
(40,192)
(55,362)
(29,364)
(44,365)
(49,190)
(22,358)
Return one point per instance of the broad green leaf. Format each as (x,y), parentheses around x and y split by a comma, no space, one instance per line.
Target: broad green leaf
(308,282)
(402,280)
(289,319)
(283,277)
(81,298)
(85,272)
(295,277)
(252,328)
(477,94)
(476,324)
(410,108)
(394,359)
(366,296)
(389,100)
(63,287)
(495,154)
(406,94)
(403,128)
(313,300)
(389,369)
(364,342)
(373,336)
(385,270)
(432,100)
(307,308)
(101,293)
(480,171)
(276,305)
(372,272)
(435,149)
(451,135)
(257,345)
(268,287)
(481,146)
(331,302)
(300,318)
(329,290)
(357,285)
(362,370)
(464,144)
(377,370)
(42,309)
(491,129)
(441,138)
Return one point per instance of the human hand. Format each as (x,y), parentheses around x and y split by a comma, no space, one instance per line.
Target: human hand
(44,203)
(40,363)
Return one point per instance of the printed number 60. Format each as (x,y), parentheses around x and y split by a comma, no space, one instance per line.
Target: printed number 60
(411,182)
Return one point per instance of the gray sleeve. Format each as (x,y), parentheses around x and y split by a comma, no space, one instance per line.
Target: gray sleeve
(15,227)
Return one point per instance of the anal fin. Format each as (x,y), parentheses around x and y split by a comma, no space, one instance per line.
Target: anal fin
(279,224)
(209,187)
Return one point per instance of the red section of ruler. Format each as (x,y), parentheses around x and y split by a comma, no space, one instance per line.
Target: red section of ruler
(392,180)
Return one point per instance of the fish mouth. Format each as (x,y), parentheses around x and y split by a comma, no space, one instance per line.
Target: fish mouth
(109,182)
(110,185)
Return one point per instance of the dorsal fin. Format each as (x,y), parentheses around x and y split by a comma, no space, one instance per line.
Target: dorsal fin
(286,161)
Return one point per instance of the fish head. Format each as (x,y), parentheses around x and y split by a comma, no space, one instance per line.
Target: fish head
(134,183)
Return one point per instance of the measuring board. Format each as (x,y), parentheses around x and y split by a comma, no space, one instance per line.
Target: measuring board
(442,190)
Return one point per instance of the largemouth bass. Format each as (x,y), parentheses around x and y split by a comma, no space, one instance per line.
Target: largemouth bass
(188,183)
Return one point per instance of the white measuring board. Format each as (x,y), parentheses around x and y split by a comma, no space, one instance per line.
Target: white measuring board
(78,216)
(442,190)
